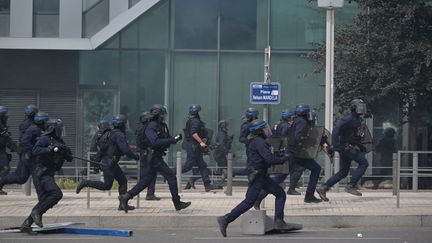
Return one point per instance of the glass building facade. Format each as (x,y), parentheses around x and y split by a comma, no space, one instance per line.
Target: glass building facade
(207,52)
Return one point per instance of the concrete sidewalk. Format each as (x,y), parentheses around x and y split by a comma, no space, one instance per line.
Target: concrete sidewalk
(374,208)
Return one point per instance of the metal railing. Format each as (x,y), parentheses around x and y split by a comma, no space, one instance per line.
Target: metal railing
(414,171)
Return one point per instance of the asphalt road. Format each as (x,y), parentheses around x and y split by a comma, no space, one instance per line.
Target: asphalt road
(207,235)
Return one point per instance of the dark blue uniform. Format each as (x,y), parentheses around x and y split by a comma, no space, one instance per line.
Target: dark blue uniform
(29,132)
(310,164)
(224,144)
(111,169)
(345,134)
(49,194)
(194,153)
(282,128)
(244,133)
(159,140)
(259,160)
(5,142)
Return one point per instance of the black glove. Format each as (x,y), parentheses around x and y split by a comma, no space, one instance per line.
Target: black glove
(330,151)
(178,137)
(51,147)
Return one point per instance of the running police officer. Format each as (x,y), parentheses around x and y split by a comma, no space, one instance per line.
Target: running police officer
(5,142)
(304,121)
(260,158)
(24,167)
(196,138)
(346,138)
(112,146)
(157,140)
(51,153)
(223,146)
(142,145)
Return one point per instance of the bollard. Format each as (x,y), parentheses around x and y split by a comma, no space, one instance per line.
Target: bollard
(27,187)
(139,178)
(415,172)
(394,179)
(228,191)
(179,170)
(88,188)
(336,168)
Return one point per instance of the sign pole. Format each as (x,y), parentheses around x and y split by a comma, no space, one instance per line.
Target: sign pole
(266,80)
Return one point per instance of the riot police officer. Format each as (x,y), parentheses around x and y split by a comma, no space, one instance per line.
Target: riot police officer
(260,158)
(51,153)
(196,138)
(112,146)
(157,140)
(302,121)
(250,115)
(24,167)
(142,145)
(346,138)
(103,126)
(5,142)
(223,146)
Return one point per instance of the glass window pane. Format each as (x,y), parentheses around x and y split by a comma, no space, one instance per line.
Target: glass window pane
(99,67)
(4,6)
(150,30)
(195,23)
(112,43)
(295,24)
(298,83)
(46,6)
(237,71)
(143,82)
(243,24)
(87,4)
(193,82)
(46,25)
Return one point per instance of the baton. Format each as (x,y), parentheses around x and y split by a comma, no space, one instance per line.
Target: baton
(86,160)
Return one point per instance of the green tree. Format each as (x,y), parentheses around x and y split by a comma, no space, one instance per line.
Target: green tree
(384,56)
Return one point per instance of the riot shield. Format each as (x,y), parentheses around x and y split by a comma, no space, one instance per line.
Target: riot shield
(278,143)
(366,138)
(309,144)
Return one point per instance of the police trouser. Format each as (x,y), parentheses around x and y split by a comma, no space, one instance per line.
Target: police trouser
(49,194)
(314,168)
(253,191)
(278,179)
(195,158)
(157,165)
(110,173)
(345,163)
(4,163)
(22,172)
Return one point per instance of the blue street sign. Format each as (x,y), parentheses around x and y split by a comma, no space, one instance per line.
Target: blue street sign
(265,93)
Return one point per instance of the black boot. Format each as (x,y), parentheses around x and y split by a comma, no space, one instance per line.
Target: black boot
(310,198)
(26,227)
(190,185)
(37,218)
(292,191)
(257,204)
(2,192)
(351,189)
(81,185)
(152,198)
(129,208)
(279,224)
(209,187)
(322,191)
(181,205)
(124,199)
(223,224)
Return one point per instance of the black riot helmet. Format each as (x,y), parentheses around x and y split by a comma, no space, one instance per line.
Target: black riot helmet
(223,125)
(30,111)
(3,115)
(103,125)
(389,132)
(358,106)
(145,117)
(251,113)
(158,111)
(40,118)
(54,127)
(259,127)
(194,109)
(119,122)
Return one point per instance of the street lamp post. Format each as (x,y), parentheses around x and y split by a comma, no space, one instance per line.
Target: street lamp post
(330,5)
